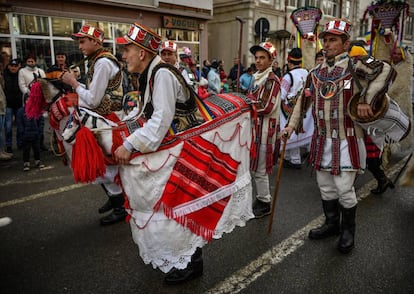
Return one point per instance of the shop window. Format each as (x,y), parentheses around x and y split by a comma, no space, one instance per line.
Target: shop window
(65,27)
(31,25)
(105,26)
(4,23)
(70,47)
(121,29)
(37,47)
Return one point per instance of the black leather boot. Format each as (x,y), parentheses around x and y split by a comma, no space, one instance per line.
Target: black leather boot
(331,225)
(106,207)
(261,209)
(193,270)
(374,166)
(346,240)
(118,213)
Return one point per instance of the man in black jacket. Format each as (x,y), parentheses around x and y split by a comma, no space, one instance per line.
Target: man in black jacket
(14,103)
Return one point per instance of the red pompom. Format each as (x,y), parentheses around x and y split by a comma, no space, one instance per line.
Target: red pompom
(88,160)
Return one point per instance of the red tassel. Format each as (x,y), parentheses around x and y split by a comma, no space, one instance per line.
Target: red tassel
(88,161)
(36,103)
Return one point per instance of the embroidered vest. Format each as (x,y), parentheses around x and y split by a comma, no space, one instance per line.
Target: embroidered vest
(332,92)
(112,99)
(187,114)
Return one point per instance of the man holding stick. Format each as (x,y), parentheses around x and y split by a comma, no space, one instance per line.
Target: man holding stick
(337,148)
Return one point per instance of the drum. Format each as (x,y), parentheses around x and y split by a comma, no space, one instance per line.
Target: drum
(394,124)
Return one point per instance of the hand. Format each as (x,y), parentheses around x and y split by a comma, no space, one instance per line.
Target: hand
(364,110)
(69,78)
(122,155)
(286,132)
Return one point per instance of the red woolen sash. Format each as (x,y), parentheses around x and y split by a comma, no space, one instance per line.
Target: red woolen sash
(189,196)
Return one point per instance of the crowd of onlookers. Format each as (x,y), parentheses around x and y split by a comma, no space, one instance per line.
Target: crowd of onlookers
(17,78)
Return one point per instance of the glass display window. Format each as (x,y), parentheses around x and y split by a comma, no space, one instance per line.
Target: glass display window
(31,25)
(4,23)
(37,47)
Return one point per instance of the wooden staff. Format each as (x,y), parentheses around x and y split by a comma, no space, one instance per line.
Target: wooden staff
(279,171)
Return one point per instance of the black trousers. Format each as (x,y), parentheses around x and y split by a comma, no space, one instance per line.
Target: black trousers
(29,145)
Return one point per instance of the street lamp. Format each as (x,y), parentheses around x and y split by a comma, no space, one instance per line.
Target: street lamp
(242,21)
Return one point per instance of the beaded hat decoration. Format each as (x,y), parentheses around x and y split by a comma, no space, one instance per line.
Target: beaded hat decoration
(337,27)
(168,45)
(90,32)
(142,37)
(266,46)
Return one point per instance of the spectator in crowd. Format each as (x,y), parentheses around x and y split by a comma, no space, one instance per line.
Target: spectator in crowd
(55,71)
(233,74)
(27,76)
(32,130)
(276,69)
(206,68)
(14,104)
(246,80)
(3,154)
(214,82)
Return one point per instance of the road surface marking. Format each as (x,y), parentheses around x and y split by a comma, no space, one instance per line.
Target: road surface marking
(17,181)
(241,279)
(41,195)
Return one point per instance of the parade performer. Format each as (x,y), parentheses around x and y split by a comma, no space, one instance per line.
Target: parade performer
(337,148)
(161,179)
(103,95)
(374,158)
(168,53)
(401,88)
(306,20)
(292,85)
(265,90)
(387,28)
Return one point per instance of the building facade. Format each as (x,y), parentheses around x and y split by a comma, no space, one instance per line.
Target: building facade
(225,29)
(44,27)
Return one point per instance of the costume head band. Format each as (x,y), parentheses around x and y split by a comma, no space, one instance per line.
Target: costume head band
(337,27)
(90,32)
(265,46)
(142,37)
(295,56)
(168,45)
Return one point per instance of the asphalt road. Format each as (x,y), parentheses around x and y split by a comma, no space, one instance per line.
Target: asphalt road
(56,245)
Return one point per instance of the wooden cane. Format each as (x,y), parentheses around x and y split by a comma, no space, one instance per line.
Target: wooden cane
(279,171)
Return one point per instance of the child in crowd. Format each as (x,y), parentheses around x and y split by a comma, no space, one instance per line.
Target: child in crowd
(32,129)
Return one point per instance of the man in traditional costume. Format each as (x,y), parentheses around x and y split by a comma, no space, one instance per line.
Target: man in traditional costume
(101,94)
(265,92)
(292,84)
(173,244)
(168,53)
(374,158)
(337,148)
